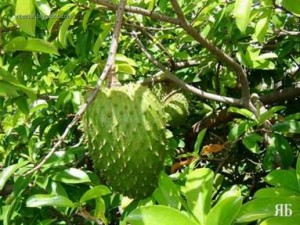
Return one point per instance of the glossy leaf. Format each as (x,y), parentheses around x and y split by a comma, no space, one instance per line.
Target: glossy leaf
(283,178)
(7,89)
(262,25)
(71,176)
(63,31)
(85,19)
(274,192)
(125,68)
(22,104)
(269,113)
(245,112)
(225,211)
(298,171)
(95,192)
(59,14)
(198,192)
(167,192)
(291,126)
(9,171)
(292,5)
(262,208)
(238,130)
(43,6)
(199,140)
(289,220)
(251,142)
(158,214)
(41,200)
(31,45)
(242,10)
(279,151)
(25,16)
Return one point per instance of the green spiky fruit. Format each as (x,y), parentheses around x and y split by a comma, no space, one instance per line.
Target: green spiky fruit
(175,103)
(177,107)
(125,128)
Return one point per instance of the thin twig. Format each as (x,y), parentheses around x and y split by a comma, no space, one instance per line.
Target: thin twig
(170,76)
(138,10)
(218,53)
(106,70)
(85,214)
(223,57)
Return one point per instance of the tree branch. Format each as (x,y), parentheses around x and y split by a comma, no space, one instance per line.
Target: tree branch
(106,70)
(170,76)
(138,10)
(281,95)
(191,31)
(218,53)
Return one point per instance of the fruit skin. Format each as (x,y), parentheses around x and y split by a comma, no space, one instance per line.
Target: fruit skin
(176,104)
(125,128)
(177,108)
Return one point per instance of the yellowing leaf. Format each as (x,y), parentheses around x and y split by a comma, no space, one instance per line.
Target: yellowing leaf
(178,165)
(207,149)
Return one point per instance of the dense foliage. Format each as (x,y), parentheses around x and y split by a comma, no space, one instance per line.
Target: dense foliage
(232,159)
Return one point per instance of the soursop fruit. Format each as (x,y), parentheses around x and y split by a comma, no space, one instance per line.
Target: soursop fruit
(177,108)
(176,104)
(125,128)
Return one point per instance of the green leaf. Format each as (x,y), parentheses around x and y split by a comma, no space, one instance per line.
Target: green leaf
(158,214)
(274,192)
(283,179)
(106,28)
(225,211)
(41,200)
(251,140)
(199,141)
(295,116)
(7,89)
(43,6)
(298,171)
(31,45)
(291,126)
(167,192)
(270,113)
(239,129)
(85,19)
(25,16)
(123,59)
(22,104)
(9,81)
(9,171)
(198,192)
(245,112)
(63,31)
(287,220)
(242,10)
(58,15)
(59,158)
(125,68)
(95,192)
(71,176)
(278,151)
(262,25)
(292,5)
(261,208)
